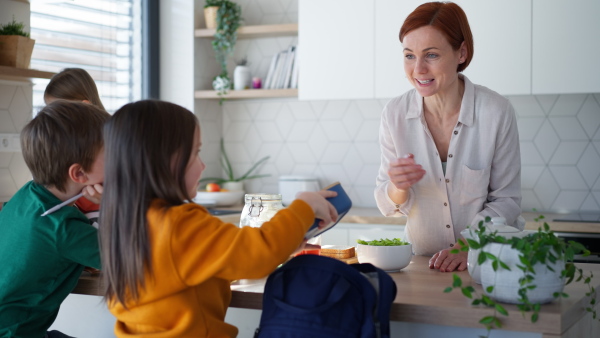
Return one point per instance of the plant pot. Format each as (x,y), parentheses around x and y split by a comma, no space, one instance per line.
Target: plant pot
(15,51)
(210,16)
(241,78)
(506,283)
(233,186)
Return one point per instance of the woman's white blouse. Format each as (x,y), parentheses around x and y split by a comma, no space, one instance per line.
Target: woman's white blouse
(483,174)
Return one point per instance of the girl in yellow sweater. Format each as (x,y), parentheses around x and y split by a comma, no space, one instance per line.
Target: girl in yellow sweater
(167,263)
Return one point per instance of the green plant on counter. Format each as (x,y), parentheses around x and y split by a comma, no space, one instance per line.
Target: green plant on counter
(229,170)
(13,28)
(229,17)
(542,247)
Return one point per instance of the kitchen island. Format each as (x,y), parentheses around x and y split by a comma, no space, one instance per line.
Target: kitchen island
(421,300)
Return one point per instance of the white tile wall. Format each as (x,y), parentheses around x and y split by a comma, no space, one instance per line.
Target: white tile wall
(15,112)
(337,140)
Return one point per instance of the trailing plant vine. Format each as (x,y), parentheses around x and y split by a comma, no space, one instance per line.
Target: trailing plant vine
(542,247)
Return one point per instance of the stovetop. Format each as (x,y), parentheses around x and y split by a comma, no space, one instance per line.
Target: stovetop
(582,217)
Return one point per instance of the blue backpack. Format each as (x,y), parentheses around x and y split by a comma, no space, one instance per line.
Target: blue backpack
(317,296)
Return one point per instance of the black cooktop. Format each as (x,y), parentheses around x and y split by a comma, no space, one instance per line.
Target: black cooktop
(582,217)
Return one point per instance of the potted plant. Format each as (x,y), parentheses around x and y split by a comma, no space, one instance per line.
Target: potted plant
(15,45)
(541,262)
(230,182)
(227,23)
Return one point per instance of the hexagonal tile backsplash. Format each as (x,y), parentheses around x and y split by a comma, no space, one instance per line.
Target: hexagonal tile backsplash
(338,140)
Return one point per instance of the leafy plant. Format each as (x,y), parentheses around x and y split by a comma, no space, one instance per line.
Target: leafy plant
(14,28)
(229,16)
(541,247)
(383,242)
(229,170)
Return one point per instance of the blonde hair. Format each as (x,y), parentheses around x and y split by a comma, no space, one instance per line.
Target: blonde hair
(73,84)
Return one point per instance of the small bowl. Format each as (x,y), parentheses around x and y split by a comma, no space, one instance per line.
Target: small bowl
(220,198)
(387,258)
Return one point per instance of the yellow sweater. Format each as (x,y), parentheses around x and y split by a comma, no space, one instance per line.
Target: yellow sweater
(195,256)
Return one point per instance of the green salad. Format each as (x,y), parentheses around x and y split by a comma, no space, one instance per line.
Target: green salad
(383,242)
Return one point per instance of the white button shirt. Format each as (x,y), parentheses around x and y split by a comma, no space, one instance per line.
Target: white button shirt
(483,173)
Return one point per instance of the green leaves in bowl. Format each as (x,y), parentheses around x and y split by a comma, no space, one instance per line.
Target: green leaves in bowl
(383,242)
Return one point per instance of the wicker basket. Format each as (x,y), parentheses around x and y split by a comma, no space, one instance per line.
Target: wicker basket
(210,15)
(15,51)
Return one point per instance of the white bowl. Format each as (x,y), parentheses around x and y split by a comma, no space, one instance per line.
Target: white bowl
(220,198)
(387,258)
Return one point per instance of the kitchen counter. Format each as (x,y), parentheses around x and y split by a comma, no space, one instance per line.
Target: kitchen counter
(373,216)
(420,299)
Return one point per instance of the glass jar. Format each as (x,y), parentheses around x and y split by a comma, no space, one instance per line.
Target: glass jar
(259,208)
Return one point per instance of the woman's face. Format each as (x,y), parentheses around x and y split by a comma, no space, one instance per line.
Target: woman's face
(430,63)
(195,166)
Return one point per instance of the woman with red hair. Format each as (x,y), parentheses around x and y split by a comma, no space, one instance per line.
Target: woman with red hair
(449,148)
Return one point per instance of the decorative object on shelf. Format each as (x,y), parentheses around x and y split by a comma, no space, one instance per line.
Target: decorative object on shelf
(256,83)
(210,13)
(229,170)
(537,264)
(228,21)
(15,45)
(241,75)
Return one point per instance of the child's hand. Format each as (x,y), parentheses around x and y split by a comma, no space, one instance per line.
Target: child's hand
(324,210)
(93,192)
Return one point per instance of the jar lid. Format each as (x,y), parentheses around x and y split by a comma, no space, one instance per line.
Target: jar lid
(262,196)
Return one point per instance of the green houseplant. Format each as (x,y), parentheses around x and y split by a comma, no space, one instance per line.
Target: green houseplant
(539,252)
(15,45)
(229,16)
(229,174)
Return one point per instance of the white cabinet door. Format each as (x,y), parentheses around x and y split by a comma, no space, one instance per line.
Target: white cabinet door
(336,49)
(566,45)
(335,236)
(502,44)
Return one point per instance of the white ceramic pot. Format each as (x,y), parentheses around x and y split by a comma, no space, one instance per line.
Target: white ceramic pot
(506,283)
(497,224)
(233,186)
(241,78)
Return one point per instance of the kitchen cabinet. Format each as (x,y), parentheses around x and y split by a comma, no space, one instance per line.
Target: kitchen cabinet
(356,53)
(250,32)
(565,46)
(336,53)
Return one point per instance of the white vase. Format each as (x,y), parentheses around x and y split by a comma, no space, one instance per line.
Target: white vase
(506,283)
(233,186)
(241,78)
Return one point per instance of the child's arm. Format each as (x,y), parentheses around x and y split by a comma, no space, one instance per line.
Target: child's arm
(78,242)
(323,210)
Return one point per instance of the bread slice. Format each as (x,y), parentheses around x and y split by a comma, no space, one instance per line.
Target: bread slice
(337,251)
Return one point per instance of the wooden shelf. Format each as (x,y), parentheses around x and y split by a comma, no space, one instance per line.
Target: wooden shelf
(12,72)
(247,94)
(249,32)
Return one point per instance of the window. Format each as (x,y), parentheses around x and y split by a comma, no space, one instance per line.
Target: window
(101,36)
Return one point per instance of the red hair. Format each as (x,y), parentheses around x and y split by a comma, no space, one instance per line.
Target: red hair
(446,17)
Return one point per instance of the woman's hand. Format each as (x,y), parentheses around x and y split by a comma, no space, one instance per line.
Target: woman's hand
(93,193)
(404,172)
(448,262)
(324,210)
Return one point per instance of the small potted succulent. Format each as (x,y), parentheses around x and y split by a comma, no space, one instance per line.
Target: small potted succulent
(230,182)
(526,270)
(15,45)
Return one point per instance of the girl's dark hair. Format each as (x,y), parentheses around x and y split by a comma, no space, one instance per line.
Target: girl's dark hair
(446,17)
(147,149)
(74,84)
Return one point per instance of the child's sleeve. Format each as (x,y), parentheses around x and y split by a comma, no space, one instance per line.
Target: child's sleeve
(204,246)
(78,242)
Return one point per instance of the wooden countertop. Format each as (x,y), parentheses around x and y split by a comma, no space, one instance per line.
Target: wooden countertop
(420,299)
(373,216)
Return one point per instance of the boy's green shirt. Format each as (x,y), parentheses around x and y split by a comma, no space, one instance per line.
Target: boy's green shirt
(41,259)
